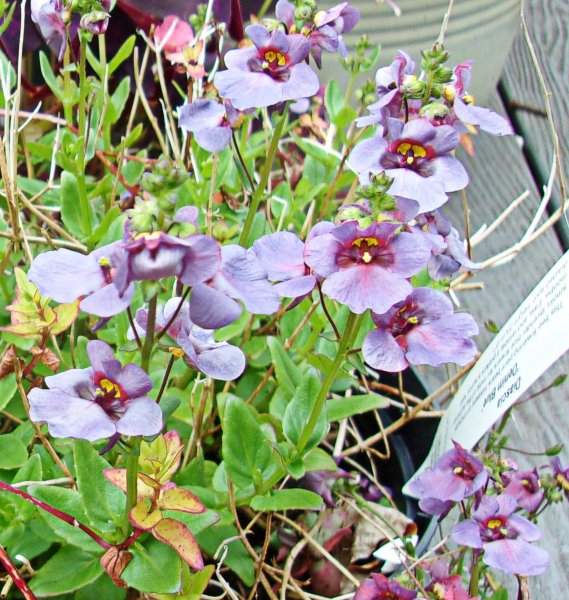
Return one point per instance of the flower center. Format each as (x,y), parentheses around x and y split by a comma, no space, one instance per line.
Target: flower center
(364,245)
(409,154)
(105,265)
(563,482)
(110,396)
(411,151)
(496,528)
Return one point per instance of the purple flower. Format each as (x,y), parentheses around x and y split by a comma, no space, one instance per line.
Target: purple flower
(98,402)
(152,256)
(240,276)
(457,475)
(449,255)
(524,487)
(444,585)
(504,537)
(48,15)
(210,121)
(97,21)
(561,475)
(366,268)
(417,156)
(328,28)
(393,84)
(271,71)
(64,276)
(379,587)
(420,330)
(464,110)
(219,360)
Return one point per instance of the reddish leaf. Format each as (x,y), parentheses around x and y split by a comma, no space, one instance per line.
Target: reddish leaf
(114,561)
(178,498)
(180,538)
(144,516)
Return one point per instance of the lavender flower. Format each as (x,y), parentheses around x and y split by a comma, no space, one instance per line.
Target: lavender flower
(239,277)
(98,402)
(416,155)
(97,21)
(464,110)
(379,587)
(219,360)
(51,19)
(366,268)
(444,585)
(210,121)
(524,487)
(328,28)
(457,475)
(449,255)
(152,256)
(420,330)
(504,537)
(64,276)
(561,475)
(271,71)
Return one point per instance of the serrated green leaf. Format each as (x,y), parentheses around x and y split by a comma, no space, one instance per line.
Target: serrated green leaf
(154,568)
(287,499)
(102,501)
(13,452)
(288,374)
(68,501)
(66,571)
(342,408)
(246,451)
(299,410)
(65,315)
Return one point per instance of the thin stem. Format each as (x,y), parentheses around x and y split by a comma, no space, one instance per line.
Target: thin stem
(260,190)
(15,575)
(174,315)
(209,214)
(242,160)
(474,573)
(131,480)
(133,327)
(165,378)
(149,338)
(328,315)
(56,513)
(346,342)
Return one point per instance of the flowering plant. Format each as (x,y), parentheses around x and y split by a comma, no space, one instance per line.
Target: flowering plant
(238,268)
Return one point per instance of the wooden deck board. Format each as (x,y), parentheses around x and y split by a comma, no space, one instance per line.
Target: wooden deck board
(500,171)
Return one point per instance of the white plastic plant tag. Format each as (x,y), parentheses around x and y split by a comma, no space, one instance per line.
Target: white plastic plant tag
(534,337)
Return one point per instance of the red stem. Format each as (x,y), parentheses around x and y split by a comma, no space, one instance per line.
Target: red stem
(15,575)
(56,513)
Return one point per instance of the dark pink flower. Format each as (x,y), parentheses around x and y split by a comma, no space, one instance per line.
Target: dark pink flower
(525,488)
(379,587)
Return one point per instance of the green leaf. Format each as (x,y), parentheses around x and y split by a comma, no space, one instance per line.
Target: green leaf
(8,388)
(287,499)
(299,410)
(154,567)
(246,451)
(319,460)
(118,101)
(66,571)
(499,594)
(68,501)
(13,452)
(124,52)
(237,557)
(102,501)
(342,408)
(133,135)
(49,76)
(193,584)
(333,99)
(102,588)
(71,204)
(288,374)
(104,225)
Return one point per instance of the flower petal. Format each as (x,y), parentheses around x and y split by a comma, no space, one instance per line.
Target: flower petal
(381,351)
(142,417)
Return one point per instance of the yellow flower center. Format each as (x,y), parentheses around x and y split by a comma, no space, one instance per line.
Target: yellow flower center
(494,524)
(411,151)
(368,241)
(104,262)
(109,388)
(272,56)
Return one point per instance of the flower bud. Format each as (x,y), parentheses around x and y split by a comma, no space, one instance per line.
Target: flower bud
(443,75)
(434,110)
(95,22)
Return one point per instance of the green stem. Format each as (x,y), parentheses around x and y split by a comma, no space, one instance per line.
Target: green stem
(67,104)
(260,190)
(149,337)
(131,480)
(474,573)
(87,224)
(346,342)
(349,89)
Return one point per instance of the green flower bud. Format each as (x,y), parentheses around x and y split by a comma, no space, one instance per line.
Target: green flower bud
(434,110)
(443,75)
